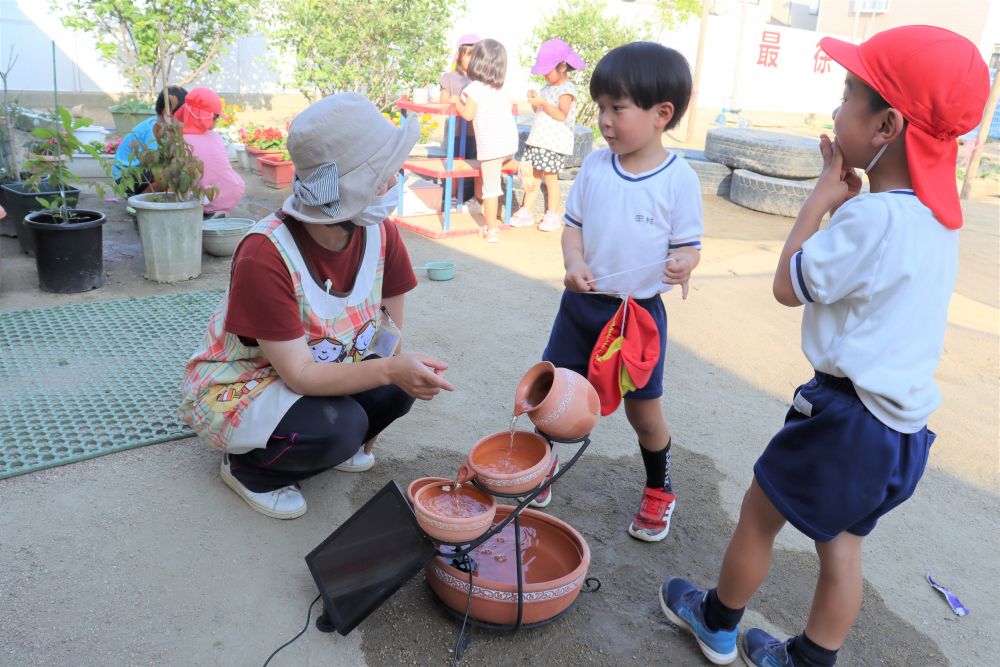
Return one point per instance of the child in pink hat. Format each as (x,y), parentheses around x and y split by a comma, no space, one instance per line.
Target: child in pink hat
(550,142)
(875,286)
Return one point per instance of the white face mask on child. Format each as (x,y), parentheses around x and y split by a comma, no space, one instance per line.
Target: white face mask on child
(381,207)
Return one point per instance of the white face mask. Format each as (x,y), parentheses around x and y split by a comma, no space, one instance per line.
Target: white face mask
(380,209)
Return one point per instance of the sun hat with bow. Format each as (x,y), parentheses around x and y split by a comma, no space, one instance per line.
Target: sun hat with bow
(938,81)
(344,150)
(555,51)
(199,110)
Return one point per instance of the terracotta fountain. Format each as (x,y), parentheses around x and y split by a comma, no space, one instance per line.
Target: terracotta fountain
(524,567)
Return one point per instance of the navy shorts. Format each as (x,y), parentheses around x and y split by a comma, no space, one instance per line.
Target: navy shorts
(834,467)
(578,325)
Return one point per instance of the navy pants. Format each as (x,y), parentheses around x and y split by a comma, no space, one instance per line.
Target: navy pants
(317,433)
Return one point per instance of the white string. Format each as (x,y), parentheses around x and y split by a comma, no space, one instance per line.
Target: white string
(634,268)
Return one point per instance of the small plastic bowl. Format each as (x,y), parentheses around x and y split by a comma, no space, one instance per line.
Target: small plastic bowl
(438,270)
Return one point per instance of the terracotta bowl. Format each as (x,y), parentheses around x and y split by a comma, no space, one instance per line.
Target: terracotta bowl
(528,461)
(420,483)
(556,558)
(560,403)
(472,516)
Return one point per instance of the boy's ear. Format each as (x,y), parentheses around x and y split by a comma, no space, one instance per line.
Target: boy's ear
(664,114)
(890,128)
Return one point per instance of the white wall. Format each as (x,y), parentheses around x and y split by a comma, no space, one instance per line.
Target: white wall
(251,67)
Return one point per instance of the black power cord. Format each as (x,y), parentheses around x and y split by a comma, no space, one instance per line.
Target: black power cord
(301,632)
(457,653)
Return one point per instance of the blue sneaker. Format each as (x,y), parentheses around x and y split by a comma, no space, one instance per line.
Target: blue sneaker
(760,649)
(681,602)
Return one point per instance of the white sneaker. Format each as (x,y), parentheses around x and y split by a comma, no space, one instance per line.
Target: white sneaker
(522,218)
(551,222)
(360,462)
(493,236)
(283,503)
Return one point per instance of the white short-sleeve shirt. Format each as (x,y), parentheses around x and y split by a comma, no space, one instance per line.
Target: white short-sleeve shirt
(496,130)
(631,220)
(876,283)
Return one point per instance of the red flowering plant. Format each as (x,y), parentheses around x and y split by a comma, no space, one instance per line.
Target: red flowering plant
(111,146)
(263,138)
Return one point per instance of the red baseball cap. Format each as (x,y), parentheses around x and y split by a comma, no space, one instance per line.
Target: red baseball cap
(938,81)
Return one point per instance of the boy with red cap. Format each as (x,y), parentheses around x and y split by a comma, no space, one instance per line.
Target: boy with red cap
(875,285)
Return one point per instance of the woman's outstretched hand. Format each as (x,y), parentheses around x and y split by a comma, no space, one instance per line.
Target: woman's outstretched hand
(419,375)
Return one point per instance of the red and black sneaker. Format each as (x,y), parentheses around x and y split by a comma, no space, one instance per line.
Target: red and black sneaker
(652,522)
(545,497)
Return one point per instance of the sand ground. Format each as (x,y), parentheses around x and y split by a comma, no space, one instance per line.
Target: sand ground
(145,557)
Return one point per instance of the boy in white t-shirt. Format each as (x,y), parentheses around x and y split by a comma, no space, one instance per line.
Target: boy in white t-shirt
(875,285)
(632,206)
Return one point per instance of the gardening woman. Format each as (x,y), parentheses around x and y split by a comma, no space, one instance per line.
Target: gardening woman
(201,108)
(315,276)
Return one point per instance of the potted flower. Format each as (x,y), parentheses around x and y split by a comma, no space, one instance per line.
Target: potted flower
(262,141)
(170,216)
(68,242)
(277,171)
(51,175)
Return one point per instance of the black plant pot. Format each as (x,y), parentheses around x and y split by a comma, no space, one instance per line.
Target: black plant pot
(21,202)
(69,255)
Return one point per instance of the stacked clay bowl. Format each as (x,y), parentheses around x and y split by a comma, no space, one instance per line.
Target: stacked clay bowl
(453,516)
(555,558)
(502,467)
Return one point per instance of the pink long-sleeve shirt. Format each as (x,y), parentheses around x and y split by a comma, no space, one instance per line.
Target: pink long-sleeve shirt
(211,150)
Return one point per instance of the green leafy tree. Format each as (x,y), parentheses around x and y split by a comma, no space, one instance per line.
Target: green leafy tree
(145,37)
(674,13)
(584,25)
(375,47)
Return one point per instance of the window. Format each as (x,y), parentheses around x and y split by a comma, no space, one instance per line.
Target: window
(814,7)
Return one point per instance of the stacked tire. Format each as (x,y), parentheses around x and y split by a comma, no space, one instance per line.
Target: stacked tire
(773,172)
(715,178)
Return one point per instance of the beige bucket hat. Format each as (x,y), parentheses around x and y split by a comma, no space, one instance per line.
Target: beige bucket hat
(344,150)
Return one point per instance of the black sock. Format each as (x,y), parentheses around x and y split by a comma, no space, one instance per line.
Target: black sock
(717,615)
(657,466)
(807,653)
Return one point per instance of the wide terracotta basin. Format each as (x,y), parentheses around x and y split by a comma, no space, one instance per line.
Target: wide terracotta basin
(449,515)
(560,403)
(502,466)
(555,562)
(419,483)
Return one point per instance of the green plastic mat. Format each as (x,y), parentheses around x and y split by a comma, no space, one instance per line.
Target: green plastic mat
(85,380)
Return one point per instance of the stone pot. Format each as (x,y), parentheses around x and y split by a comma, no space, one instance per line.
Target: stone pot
(560,403)
(467,518)
(170,232)
(558,557)
(503,467)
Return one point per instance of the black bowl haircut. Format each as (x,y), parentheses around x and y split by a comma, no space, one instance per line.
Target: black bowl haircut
(646,72)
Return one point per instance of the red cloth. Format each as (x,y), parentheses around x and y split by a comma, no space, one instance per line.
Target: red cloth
(637,352)
(199,110)
(262,302)
(938,81)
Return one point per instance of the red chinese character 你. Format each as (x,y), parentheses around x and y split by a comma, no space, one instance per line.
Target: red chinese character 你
(821,61)
(770,44)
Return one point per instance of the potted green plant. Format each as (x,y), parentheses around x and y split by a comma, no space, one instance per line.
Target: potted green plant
(129,113)
(277,172)
(51,176)
(170,216)
(68,242)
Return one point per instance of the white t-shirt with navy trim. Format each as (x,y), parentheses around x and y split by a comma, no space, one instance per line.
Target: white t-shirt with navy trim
(632,220)
(876,283)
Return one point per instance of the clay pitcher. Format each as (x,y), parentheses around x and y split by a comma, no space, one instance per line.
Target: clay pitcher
(561,403)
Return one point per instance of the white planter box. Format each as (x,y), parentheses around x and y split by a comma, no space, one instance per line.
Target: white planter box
(90,133)
(87,166)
